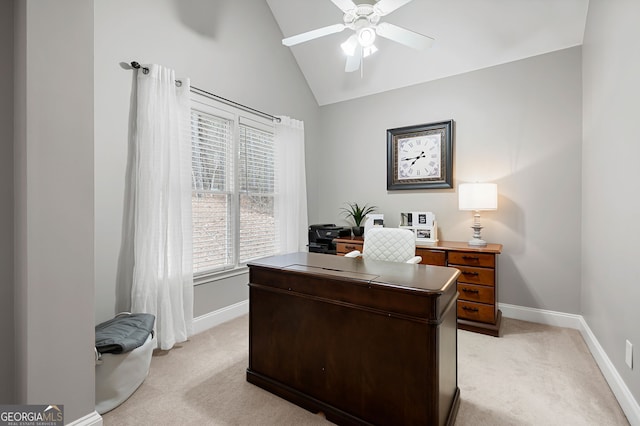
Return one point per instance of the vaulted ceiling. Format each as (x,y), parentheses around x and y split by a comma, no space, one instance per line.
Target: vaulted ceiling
(469,35)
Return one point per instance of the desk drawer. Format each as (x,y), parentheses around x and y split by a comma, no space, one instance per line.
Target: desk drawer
(476,293)
(344,248)
(432,257)
(483,276)
(486,260)
(476,311)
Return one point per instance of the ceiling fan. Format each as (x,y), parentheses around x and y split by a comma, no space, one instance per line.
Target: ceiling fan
(364,20)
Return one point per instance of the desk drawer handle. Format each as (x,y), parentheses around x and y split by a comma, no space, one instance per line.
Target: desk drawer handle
(466,308)
(473,274)
(350,247)
(468,290)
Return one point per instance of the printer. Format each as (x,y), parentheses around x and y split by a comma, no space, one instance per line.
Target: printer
(321,237)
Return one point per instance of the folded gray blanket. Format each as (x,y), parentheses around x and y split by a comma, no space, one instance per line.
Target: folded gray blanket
(123,333)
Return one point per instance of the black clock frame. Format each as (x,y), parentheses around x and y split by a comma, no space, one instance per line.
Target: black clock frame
(445,180)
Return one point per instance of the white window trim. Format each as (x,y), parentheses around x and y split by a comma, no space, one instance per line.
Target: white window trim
(210,276)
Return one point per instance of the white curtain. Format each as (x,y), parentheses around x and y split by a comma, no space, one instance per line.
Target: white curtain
(291,199)
(163,268)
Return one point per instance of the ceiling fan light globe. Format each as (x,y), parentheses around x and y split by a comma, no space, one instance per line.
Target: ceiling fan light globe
(369,50)
(349,46)
(366,36)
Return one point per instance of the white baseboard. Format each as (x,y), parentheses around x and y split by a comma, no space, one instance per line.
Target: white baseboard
(210,320)
(541,316)
(620,390)
(91,419)
(618,386)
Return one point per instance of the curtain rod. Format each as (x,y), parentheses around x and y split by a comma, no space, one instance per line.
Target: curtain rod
(145,70)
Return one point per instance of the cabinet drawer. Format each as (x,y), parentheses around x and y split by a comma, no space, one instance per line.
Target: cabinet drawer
(483,276)
(432,257)
(476,293)
(344,248)
(487,260)
(476,311)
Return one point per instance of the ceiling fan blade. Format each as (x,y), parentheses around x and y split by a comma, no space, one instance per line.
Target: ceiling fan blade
(353,62)
(310,35)
(344,5)
(385,7)
(404,36)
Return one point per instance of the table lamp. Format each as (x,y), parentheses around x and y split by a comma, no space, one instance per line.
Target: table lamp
(477,197)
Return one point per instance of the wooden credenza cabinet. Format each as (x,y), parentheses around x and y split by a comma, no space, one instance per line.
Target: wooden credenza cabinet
(477,285)
(346,245)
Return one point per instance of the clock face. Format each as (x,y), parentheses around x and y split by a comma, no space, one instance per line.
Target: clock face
(419,157)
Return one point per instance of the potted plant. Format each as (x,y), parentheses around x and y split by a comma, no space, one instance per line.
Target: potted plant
(357,214)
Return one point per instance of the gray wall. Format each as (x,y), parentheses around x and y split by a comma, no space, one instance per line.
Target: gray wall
(611,180)
(230,48)
(517,124)
(53,151)
(6,207)
(20,254)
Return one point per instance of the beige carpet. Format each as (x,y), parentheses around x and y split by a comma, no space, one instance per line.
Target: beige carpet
(533,375)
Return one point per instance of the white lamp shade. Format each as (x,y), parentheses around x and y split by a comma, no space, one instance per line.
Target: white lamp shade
(478,196)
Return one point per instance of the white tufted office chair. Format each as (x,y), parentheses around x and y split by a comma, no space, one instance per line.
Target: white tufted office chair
(390,244)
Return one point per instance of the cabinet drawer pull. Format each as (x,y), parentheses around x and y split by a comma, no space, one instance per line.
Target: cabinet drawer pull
(350,247)
(468,290)
(467,308)
(473,274)
(471,257)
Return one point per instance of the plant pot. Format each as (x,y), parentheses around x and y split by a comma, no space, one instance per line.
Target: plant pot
(357,231)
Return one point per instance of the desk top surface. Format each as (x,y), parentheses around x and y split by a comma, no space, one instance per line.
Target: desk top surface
(410,277)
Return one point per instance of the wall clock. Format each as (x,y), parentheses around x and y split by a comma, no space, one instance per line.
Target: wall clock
(420,156)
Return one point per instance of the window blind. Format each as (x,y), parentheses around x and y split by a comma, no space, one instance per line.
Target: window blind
(212,167)
(256,179)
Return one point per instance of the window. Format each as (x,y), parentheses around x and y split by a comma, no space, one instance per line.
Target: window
(233,187)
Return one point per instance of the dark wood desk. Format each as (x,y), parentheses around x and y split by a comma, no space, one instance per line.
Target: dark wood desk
(365,342)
